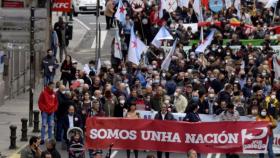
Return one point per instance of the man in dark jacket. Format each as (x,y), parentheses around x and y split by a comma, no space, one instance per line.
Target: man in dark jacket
(170,86)
(60,28)
(32,150)
(49,65)
(163,114)
(64,102)
(71,120)
(157,99)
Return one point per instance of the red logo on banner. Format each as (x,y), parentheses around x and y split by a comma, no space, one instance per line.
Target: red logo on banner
(254,139)
(61,5)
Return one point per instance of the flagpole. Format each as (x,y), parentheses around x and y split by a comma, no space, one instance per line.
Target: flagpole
(96,44)
(99,41)
(142,31)
(274,13)
(201,18)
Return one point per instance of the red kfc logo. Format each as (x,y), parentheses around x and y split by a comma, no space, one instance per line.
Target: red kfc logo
(61,5)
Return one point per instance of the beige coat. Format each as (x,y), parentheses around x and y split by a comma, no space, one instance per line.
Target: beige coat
(180,103)
(109,10)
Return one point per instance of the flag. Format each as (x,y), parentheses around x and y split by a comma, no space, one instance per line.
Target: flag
(271,3)
(228,3)
(201,48)
(117,46)
(121,12)
(86,69)
(98,68)
(163,34)
(136,48)
(165,64)
(205,3)
(276,67)
(198,9)
(237,5)
(183,3)
(162,7)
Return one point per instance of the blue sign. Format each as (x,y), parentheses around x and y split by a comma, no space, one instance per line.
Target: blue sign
(216,5)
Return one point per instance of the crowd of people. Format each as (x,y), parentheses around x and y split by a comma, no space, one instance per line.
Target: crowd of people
(221,81)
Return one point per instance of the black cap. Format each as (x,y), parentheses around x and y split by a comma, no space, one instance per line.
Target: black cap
(91,73)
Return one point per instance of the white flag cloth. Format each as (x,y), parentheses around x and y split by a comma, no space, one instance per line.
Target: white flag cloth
(165,64)
(136,48)
(237,5)
(163,34)
(183,3)
(228,3)
(198,9)
(117,46)
(201,48)
(276,67)
(120,13)
(271,3)
(163,6)
(86,69)
(98,66)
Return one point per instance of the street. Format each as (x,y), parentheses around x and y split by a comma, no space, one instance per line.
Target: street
(85,50)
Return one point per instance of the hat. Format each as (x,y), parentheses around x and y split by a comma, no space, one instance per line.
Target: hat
(91,73)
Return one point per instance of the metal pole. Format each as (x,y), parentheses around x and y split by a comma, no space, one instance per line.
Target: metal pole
(96,32)
(32,67)
(99,42)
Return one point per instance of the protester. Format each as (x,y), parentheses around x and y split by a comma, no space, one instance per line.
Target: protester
(265,116)
(192,113)
(32,150)
(51,149)
(191,154)
(48,104)
(71,120)
(163,114)
(180,101)
(64,101)
(66,71)
(109,12)
(230,114)
(54,42)
(132,114)
(49,65)
(60,28)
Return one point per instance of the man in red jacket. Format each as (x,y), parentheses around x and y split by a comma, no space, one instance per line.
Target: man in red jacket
(48,104)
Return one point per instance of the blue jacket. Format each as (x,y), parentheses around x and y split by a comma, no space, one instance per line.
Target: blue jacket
(170,87)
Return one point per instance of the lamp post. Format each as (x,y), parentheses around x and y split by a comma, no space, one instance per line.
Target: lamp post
(32,66)
(97,32)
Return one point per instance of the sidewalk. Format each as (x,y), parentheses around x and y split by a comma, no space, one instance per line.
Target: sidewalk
(13,110)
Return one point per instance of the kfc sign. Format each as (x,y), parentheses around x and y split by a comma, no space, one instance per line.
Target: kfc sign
(61,5)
